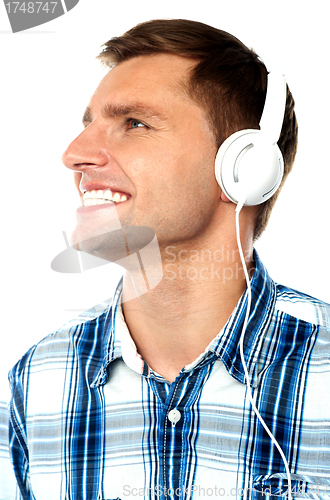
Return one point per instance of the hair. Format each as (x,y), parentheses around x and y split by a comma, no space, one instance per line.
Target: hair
(228,81)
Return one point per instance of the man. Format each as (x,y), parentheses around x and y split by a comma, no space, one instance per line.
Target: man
(149,397)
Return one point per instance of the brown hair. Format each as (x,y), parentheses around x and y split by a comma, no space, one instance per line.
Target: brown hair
(229,81)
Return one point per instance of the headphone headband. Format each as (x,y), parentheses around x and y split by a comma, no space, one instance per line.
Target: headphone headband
(272,117)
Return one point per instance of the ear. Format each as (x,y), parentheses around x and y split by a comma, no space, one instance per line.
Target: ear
(224,198)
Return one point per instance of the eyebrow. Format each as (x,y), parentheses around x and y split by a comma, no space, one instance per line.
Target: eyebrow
(118,110)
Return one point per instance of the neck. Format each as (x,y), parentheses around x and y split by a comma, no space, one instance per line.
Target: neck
(173,323)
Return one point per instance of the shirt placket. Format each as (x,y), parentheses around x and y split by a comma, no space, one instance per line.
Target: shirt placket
(177,431)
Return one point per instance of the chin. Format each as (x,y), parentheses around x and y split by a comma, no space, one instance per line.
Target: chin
(108,245)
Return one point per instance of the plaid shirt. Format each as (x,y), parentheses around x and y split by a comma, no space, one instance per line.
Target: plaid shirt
(90,420)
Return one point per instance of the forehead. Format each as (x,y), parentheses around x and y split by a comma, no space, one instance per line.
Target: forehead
(152,78)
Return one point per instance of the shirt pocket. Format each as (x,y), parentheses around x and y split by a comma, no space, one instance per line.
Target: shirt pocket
(275,487)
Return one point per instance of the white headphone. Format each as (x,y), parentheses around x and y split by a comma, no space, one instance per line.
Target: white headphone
(249,163)
(249,169)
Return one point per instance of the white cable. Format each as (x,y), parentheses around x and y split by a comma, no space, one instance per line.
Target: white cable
(238,209)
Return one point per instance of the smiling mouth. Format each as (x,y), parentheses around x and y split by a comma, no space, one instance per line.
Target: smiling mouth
(102,196)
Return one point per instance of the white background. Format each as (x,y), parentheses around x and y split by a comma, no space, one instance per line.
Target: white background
(47,76)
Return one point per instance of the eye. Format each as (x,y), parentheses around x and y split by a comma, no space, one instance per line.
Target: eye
(133,123)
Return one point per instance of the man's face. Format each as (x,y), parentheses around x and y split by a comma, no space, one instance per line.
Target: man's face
(145,140)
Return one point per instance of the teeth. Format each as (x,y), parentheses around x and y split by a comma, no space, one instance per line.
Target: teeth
(100,196)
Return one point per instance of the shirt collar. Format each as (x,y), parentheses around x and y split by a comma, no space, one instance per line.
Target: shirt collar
(226,345)
(117,342)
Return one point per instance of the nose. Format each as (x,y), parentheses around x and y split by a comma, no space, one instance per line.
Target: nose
(86,151)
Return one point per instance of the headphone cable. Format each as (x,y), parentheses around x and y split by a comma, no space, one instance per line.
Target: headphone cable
(238,210)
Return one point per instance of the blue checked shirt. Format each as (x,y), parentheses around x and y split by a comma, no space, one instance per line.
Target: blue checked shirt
(90,420)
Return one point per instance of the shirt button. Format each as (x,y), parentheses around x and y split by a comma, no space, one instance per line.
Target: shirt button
(174,416)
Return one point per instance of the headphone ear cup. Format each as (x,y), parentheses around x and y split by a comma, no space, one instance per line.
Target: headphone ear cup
(248,167)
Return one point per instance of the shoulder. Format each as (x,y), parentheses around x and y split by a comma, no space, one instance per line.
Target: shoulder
(302,306)
(54,350)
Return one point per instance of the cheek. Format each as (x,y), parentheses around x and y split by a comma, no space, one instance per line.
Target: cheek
(152,168)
